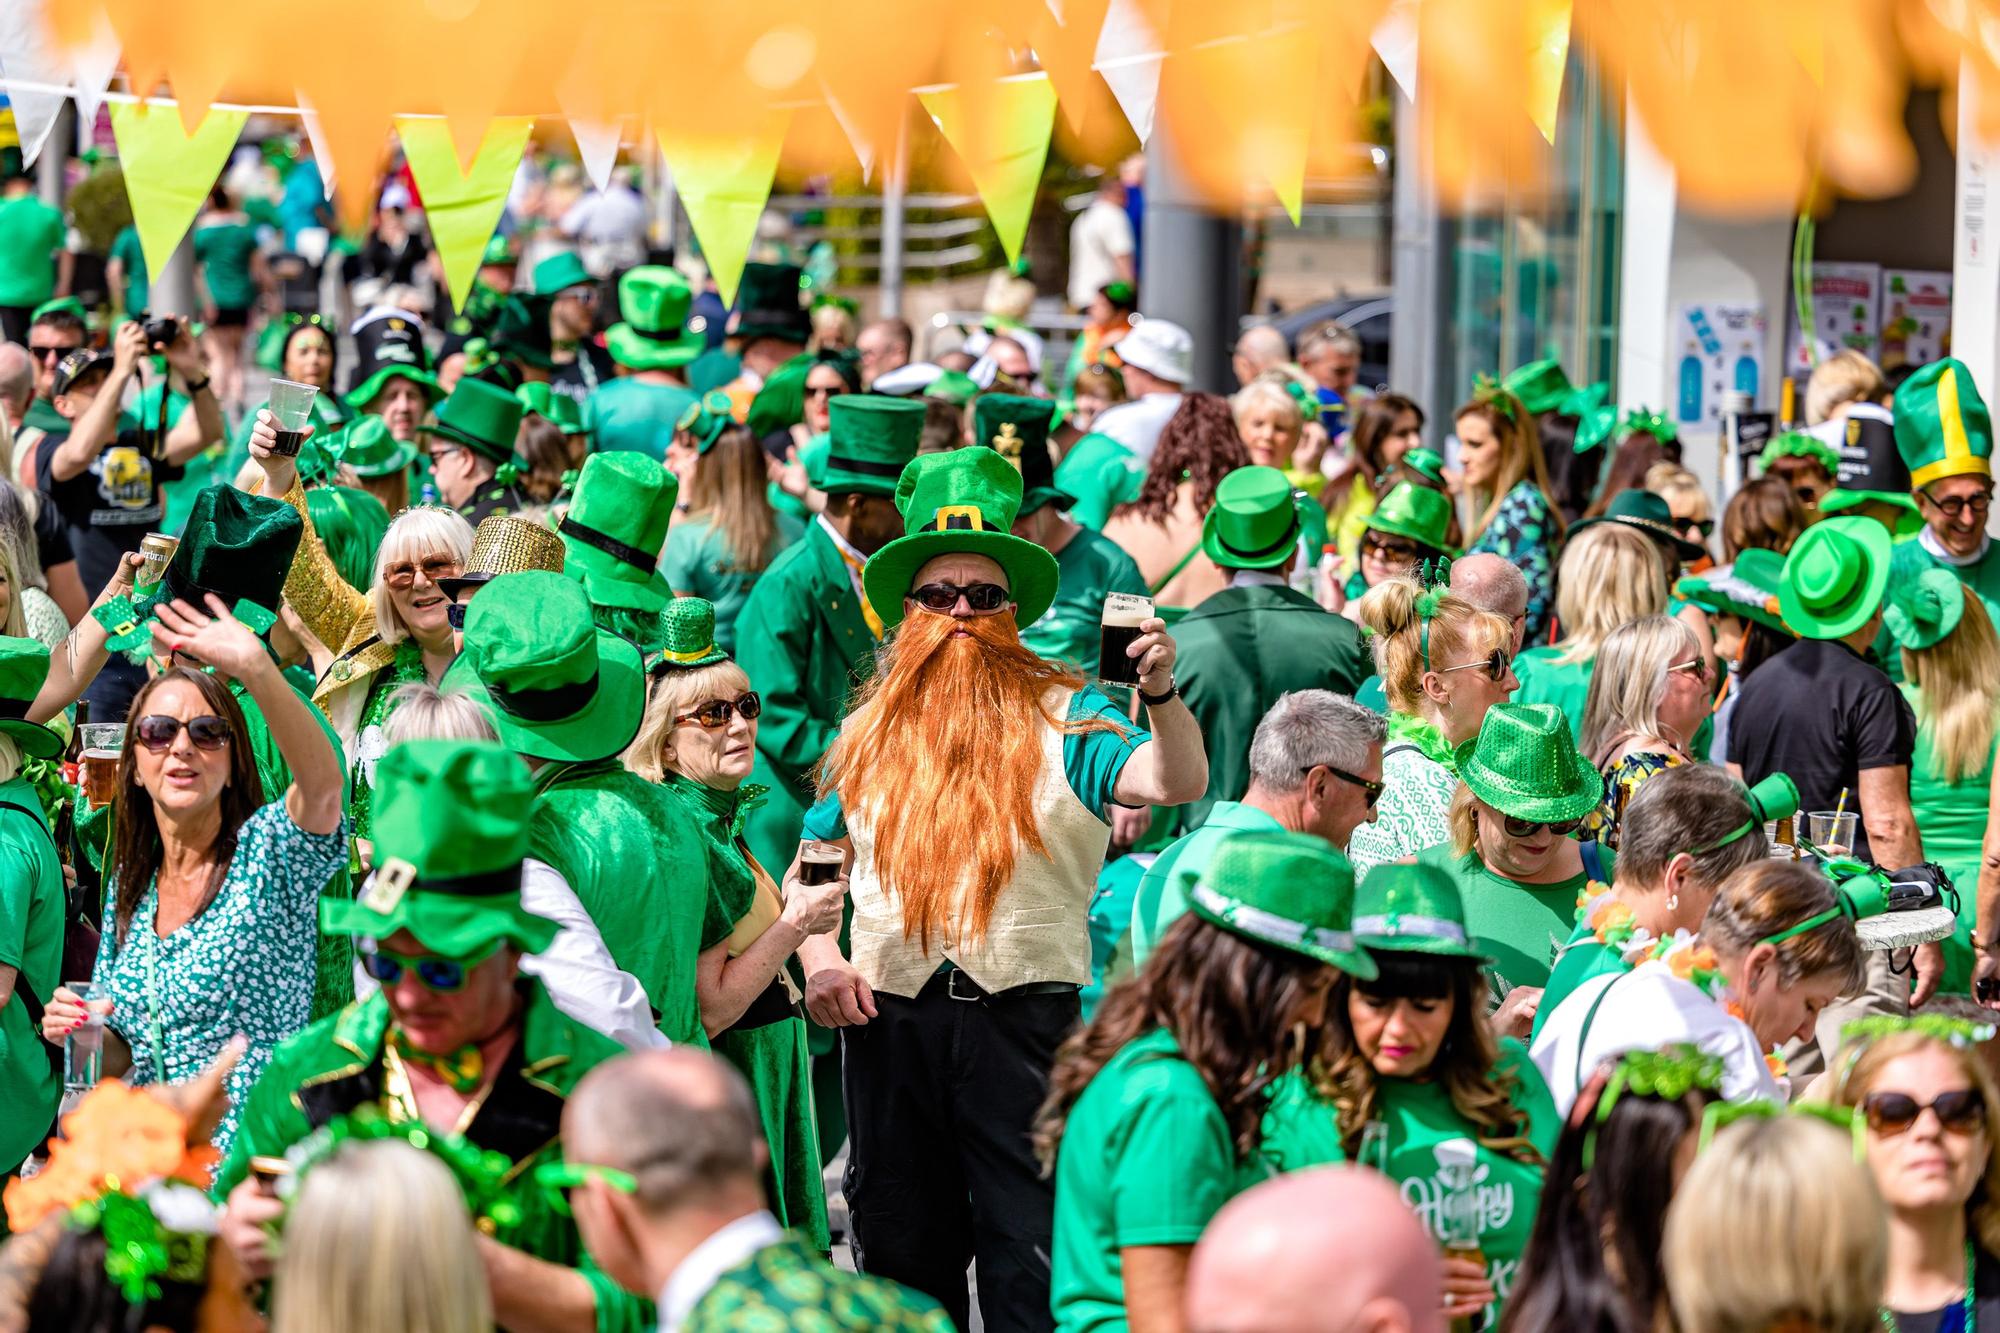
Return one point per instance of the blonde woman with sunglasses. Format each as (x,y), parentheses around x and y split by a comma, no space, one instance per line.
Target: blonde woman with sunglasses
(1648,695)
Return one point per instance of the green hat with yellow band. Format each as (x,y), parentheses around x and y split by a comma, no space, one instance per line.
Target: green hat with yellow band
(1942,426)
(1412,908)
(616,526)
(1254,523)
(688,627)
(1292,891)
(963,501)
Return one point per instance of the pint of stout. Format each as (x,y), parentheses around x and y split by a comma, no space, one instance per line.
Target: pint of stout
(819,863)
(1123,614)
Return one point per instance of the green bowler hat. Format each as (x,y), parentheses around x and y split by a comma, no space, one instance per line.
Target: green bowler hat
(652,332)
(1540,385)
(616,524)
(1650,514)
(1289,890)
(483,417)
(370,449)
(559,273)
(962,501)
(1747,589)
(1255,521)
(689,626)
(1017,428)
(450,831)
(1924,610)
(874,439)
(558,409)
(1412,909)
(556,686)
(1834,577)
(1416,512)
(24,669)
(1942,426)
(1525,763)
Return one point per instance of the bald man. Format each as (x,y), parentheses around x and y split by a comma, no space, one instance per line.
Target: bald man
(1493,584)
(1260,348)
(664,1156)
(1331,1250)
(17,384)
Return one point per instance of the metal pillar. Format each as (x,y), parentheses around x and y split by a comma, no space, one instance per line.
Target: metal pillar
(49,167)
(1418,326)
(895,194)
(1192,265)
(172,291)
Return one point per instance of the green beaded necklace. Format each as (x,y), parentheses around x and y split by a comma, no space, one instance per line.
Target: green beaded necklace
(1965,1311)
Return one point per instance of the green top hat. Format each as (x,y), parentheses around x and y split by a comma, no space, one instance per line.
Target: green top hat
(1417,512)
(1798,444)
(873,439)
(236,545)
(1255,521)
(450,827)
(706,418)
(1834,577)
(688,625)
(616,524)
(1942,426)
(556,686)
(1650,514)
(369,448)
(1427,463)
(558,409)
(653,305)
(390,345)
(767,303)
(520,331)
(1289,890)
(1018,428)
(1412,908)
(1747,589)
(1525,763)
(483,417)
(962,500)
(1924,610)
(1540,385)
(559,273)
(24,669)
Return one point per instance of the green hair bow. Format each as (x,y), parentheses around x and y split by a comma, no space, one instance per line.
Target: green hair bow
(1651,422)
(1436,578)
(1490,392)
(1596,416)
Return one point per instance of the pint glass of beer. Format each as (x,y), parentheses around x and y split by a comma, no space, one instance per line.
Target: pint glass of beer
(819,863)
(1124,612)
(102,744)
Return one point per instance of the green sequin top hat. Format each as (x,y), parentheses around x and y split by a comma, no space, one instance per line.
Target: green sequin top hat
(1292,891)
(1923,611)
(1798,444)
(24,669)
(960,501)
(450,827)
(1018,428)
(551,405)
(1525,763)
(560,272)
(369,448)
(1418,513)
(505,544)
(616,526)
(1412,909)
(688,624)
(1254,523)
(556,686)
(389,343)
(652,332)
(483,417)
(874,438)
(767,304)
(1747,589)
(1540,385)
(1834,577)
(1650,514)
(237,545)
(1942,426)
(706,418)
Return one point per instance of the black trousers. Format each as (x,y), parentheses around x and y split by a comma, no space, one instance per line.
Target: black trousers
(941,1095)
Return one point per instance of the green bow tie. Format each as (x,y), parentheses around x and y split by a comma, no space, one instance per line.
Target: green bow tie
(464,1068)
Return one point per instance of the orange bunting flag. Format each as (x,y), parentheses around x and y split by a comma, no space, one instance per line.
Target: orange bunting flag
(463,207)
(1001,132)
(168,171)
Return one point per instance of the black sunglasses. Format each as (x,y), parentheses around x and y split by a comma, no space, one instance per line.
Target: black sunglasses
(454,615)
(1372,790)
(1525,828)
(1495,664)
(1957,505)
(983,598)
(48,353)
(1892,1113)
(716,713)
(156,731)
(1705,526)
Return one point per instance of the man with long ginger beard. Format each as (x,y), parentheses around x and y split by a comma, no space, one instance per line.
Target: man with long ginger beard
(970,788)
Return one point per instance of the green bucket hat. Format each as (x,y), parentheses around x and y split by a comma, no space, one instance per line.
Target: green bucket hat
(1650,514)
(1416,512)
(24,669)
(483,417)
(236,545)
(688,625)
(1747,589)
(1017,428)
(1255,521)
(450,827)
(1540,385)
(1798,444)
(960,501)
(1923,611)
(1412,908)
(874,438)
(1525,763)
(369,448)
(559,273)
(556,686)
(706,418)
(653,332)
(1834,577)
(558,409)
(1289,890)
(616,525)
(1942,426)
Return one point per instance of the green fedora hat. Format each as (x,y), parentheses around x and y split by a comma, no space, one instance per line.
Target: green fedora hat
(24,669)
(652,332)
(616,525)
(1650,514)
(450,827)
(1834,577)
(1540,385)
(1292,891)
(688,625)
(1747,589)
(1412,908)
(560,272)
(1525,763)
(1924,610)
(483,417)
(1017,428)
(1416,512)
(873,440)
(369,448)
(556,686)
(558,409)
(960,501)
(1942,426)
(1255,521)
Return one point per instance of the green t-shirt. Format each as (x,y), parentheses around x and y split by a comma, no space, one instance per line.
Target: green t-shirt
(30,235)
(1544,680)
(31,941)
(633,414)
(138,285)
(697,562)
(1951,819)
(1520,926)
(1146,1160)
(1071,630)
(1162,896)
(223,250)
(1583,957)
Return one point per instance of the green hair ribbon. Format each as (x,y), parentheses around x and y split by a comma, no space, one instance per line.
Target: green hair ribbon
(1490,392)
(1651,422)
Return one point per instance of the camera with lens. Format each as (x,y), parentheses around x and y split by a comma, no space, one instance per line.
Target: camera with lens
(160,330)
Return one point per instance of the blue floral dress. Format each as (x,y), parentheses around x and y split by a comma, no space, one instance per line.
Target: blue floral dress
(1523,533)
(245,964)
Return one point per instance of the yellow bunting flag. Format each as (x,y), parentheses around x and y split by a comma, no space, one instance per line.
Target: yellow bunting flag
(169,172)
(463,207)
(723,182)
(1000,130)
(1548,55)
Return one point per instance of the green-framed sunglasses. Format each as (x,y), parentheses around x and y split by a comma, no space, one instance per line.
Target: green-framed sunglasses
(557,1179)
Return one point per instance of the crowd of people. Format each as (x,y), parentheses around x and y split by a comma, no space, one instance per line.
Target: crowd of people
(1297,859)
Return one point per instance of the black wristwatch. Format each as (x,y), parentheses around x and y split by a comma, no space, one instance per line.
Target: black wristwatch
(1173,692)
(196,386)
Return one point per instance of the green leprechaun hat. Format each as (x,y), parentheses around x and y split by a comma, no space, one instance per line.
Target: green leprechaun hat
(237,545)
(556,686)
(450,827)
(1942,426)
(652,332)
(24,669)
(483,417)
(616,525)
(1254,523)
(1924,610)
(689,626)
(1650,514)
(706,418)
(1412,908)
(1017,428)
(369,448)
(1418,513)
(961,501)
(1835,575)
(551,405)
(1292,891)
(1747,589)
(1540,385)
(1525,763)
(873,440)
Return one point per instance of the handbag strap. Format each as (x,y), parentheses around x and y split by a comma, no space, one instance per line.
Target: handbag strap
(1179,565)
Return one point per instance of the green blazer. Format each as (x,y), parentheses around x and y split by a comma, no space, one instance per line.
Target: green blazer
(787,1286)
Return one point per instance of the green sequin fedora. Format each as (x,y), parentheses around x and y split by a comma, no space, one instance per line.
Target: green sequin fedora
(1288,890)
(1416,512)
(1525,763)
(1412,908)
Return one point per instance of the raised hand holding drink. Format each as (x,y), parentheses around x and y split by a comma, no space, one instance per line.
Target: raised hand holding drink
(291,405)
(157,550)
(1124,613)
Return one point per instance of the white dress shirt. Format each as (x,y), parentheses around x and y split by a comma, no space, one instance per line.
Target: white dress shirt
(705,1264)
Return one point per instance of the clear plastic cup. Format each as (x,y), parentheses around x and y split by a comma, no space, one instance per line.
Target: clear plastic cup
(1833,833)
(83,1047)
(291,405)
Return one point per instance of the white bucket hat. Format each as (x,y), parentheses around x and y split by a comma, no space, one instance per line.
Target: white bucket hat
(1160,348)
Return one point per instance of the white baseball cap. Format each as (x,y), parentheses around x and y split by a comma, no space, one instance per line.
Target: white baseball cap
(1159,347)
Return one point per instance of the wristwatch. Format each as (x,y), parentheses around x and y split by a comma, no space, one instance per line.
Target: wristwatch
(1171,693)
(196,386)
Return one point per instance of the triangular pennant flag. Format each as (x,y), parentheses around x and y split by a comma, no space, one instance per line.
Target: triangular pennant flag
(1001,132)
(597,143)
(94,63)
(1128,56)
(27,55)
(1548,30)
(316,136)
(723,182)
(169,172)
(857,137)
(1395,41)
(1066,48)
(463,207)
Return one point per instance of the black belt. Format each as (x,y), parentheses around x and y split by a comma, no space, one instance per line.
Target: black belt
(959,985)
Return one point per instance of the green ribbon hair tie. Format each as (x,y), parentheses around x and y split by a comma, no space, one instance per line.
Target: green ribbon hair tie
(1651,422)
(1490,392)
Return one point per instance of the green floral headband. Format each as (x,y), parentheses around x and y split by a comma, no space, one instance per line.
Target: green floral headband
(141,1249)
(481,1175)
